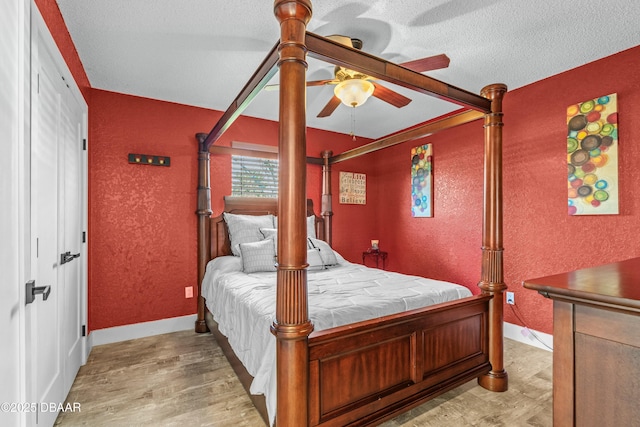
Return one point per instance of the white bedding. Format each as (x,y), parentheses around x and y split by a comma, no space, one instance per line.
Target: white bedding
(243,305)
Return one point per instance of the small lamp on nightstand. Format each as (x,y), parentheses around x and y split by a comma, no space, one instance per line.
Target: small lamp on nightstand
(375,253)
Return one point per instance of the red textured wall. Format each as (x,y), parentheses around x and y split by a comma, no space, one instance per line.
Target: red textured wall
(446,246)
(142,218)
(355,225)
(142,233)
(539,237)
(53,18)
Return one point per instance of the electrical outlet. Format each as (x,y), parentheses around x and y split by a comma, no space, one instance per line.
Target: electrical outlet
(511,299)
(188,292)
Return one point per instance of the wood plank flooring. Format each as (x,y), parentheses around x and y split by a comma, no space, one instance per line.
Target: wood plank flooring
(183,379)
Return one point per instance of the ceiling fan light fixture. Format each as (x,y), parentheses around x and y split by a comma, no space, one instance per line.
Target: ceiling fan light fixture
(354,92)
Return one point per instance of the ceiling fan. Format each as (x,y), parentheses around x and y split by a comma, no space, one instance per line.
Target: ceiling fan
(354,88)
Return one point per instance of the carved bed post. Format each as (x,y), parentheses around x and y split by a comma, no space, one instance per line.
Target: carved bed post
(292,325)
(204,212)
(327,209)
(492,281)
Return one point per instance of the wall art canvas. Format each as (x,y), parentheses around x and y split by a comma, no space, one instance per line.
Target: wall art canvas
(422,181)
(353,188)
(592,156)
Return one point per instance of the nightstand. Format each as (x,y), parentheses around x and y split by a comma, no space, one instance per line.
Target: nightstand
(377,255)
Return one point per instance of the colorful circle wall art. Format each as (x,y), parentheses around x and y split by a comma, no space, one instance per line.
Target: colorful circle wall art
(592,156)
(422,181)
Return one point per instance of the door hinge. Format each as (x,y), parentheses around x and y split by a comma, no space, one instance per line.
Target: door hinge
(84,330)
(84,144)
(84,237)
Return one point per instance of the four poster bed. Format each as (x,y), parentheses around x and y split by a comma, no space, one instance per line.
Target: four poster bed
(365,372)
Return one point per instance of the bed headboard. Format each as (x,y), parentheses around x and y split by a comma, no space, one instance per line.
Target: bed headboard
(220,243)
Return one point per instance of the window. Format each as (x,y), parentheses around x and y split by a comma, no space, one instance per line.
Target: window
(254,177)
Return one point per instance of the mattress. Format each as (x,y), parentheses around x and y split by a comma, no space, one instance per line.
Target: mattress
(243,305)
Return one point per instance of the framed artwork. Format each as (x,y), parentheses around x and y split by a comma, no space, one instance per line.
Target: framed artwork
(592,156)
(353,188)
(422,181)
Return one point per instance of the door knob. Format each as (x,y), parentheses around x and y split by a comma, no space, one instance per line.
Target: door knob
(33,290)
(68,257)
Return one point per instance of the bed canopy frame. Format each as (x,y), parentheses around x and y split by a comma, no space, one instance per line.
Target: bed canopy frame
(299,357)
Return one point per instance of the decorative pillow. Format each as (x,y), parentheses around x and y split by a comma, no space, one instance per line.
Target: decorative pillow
(258,256)
(311,225)
(314,260)
(245,228)
(324,250)
(270,233)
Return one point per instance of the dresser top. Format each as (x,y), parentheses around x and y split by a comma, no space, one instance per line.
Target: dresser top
(616,285)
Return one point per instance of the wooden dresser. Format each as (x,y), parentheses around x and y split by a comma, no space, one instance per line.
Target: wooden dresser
(596,339)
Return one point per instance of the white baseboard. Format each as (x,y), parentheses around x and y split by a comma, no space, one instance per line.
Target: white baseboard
(141,330)
(528,336)
(87,346)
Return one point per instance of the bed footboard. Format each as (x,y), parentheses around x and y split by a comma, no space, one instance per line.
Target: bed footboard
(365,373)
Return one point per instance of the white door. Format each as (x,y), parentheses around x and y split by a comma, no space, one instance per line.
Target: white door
(54,325)
(12,227)
(70,234)
(43,316)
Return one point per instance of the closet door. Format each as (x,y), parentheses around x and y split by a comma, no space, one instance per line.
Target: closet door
(70,234)
(44,333)
(54,325)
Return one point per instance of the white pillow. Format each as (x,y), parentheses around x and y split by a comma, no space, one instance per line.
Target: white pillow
(324,250)
(258,256)
(245,228)
(311,225)
(314,260)
(269,233)
(272,234)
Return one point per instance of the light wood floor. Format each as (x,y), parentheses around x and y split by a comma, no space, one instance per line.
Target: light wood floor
(183,379)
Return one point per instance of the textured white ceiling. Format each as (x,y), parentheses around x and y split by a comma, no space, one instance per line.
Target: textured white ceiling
(202,52)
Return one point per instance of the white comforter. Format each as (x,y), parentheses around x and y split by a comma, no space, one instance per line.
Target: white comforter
(243,305)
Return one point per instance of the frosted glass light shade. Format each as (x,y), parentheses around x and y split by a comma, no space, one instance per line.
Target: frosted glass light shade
(353,92)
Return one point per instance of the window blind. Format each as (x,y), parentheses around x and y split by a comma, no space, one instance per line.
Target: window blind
(254,177)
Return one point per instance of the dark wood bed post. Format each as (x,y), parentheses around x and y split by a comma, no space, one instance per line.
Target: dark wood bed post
(492,281)
(327,208)
(204,212)
(292,325)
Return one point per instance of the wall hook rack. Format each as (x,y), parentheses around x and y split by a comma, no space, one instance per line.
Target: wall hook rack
(149,159)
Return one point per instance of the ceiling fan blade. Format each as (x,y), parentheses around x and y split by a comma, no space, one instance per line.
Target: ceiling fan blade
(321,82)
(427,64)
(330,107)
(390,96)
(311,83)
